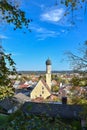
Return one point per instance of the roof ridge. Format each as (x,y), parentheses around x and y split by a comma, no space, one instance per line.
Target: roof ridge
(46,85)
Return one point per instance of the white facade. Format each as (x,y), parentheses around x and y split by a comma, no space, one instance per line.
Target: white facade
(48,75)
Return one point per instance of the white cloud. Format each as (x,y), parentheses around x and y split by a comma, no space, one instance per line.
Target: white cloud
(3,36)
(56,16)
(53,15)
(43,33)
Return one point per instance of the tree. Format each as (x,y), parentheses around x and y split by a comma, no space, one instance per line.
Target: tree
(79,81)
(79,62)
(7,68)
(11,13)
(75,81)
(19,121)
(55,88)
(73,4)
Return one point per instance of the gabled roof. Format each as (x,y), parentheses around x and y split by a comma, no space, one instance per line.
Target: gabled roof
(21,98)
(52,110)
(6,104)
(45,84)
(23,86)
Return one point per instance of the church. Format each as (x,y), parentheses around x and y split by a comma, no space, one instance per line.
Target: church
(43,89)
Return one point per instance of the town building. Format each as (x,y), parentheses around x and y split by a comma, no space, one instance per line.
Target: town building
(43,88)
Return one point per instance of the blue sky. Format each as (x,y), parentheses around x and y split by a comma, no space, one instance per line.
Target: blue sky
(51,36)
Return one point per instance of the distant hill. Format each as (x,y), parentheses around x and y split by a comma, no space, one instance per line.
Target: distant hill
(43,72)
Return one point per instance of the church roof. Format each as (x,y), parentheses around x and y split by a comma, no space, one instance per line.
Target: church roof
(45,84)
(48,62)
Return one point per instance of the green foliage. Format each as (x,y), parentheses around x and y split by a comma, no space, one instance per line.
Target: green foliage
(79,62)
(20,121)
(6,91)
(3,121)
(12,14)
(83,81)
(75,81)
(74,4)
(7,68)
(76,99)
(55,88)
(84,113)
(76,125)
(54,76)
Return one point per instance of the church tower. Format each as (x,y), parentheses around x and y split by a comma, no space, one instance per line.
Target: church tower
(48,73)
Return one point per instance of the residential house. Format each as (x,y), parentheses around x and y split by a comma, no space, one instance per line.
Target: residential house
(20,98)
(8,106)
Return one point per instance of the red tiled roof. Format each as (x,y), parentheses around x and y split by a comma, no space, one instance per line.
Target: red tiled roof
(38,99)
(23,86)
